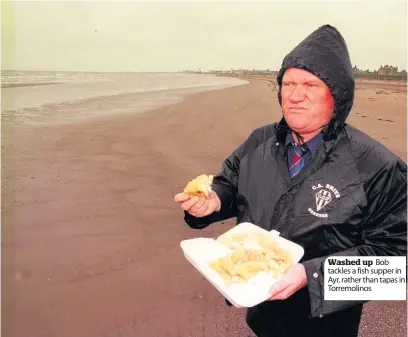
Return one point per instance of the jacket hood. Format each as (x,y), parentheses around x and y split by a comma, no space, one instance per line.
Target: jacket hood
(324,53)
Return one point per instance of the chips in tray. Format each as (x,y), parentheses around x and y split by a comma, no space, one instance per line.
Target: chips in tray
(252,253)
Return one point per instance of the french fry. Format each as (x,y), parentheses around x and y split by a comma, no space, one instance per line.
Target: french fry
(251,254)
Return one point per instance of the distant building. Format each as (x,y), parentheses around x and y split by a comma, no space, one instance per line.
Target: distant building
(356,70)
(403,73)
(387,70)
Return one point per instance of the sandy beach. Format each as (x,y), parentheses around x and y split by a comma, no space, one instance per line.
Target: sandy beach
(90,231)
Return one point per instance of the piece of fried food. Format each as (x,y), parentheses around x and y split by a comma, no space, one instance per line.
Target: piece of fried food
(240,266)
(199,186)
(242,240)
(251,254)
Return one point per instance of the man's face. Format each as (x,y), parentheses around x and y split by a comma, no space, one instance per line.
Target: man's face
(307,103)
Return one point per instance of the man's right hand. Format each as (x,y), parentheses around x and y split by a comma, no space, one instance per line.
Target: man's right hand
(199,207)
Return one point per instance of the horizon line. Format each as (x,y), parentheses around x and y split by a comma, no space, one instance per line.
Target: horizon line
(172,71)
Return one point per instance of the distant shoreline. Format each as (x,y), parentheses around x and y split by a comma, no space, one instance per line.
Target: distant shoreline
(401,84)
(17,85)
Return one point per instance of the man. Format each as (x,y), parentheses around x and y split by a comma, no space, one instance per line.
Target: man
(320,182)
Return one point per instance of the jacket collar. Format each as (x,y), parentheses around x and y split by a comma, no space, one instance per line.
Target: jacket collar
(312,144)
(282,129)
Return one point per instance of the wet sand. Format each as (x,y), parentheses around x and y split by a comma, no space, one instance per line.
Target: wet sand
(90,232)
(18,85)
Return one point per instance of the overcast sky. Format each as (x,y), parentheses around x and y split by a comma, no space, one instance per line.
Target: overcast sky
(172,36)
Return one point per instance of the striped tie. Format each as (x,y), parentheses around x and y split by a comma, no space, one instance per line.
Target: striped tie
(297,163)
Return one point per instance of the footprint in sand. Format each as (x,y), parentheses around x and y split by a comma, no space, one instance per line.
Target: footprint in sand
(118,167)
(134,197)
(385,120)
(112,162)
(161,199)
(24,274)
(122,148)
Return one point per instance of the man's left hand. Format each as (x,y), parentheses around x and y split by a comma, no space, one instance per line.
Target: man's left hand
(293,280)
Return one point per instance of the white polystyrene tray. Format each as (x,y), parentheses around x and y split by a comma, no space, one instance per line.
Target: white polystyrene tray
(201,251)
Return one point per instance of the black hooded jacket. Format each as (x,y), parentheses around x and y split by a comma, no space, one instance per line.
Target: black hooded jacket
(364,208)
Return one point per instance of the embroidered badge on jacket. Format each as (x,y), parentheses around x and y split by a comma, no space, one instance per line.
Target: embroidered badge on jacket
(324,196)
